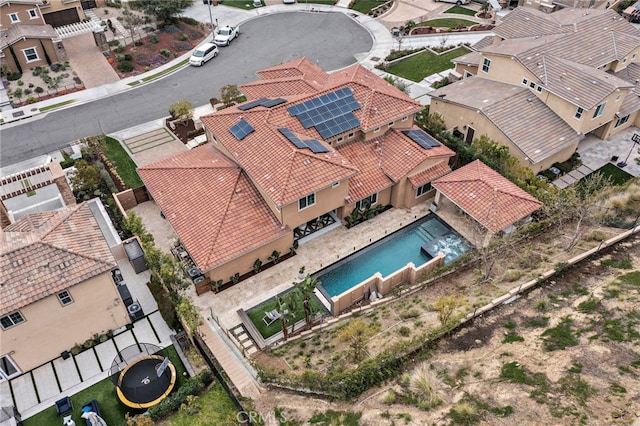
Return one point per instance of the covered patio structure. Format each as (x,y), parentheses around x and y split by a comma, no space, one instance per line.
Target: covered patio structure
(479,202)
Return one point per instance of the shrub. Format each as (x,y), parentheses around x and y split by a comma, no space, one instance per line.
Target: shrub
(142,59)
(189,21)
(18,93)
(138,43)
(404,331)
(165,52)
(27,91)
(20,83)
(153,38)
(125,66)
(14,76)
(170,28)
(127,57)
(57,67)
(184,37)
(421,386)
(119,49)
(180,46)
(113,43)
(39,89)
(193,386)
(119,58)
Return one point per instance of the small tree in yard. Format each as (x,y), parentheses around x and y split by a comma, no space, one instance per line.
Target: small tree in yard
(229,94)
(182,111)
(85,181)
(445,306)
(356,334)
(399,84)
(306,289)
(131,21)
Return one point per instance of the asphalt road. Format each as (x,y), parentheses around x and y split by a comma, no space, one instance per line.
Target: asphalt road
(329,39)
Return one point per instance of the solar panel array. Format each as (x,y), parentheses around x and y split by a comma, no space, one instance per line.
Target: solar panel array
(330,114)
(421,138)
(313,144)
(265,102)
(241,129)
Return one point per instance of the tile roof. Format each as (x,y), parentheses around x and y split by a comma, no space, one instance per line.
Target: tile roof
(211,204)
(631,103)
(20,31)
(525,22)
(483,42)
(491,199)
(45,253)
(302,67)
(284,172)
(295,77)
(473,58)
(429,174)
(516,112)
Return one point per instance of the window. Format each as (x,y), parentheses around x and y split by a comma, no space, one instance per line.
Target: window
(578,114)
(14,18)
(622,120)
(532,85)
(351,135)
(423,189)
(525,81)
(599,110)
(405,118)
(624,60)
(539,89)
(618,97)
(65,297)
(31,54)
(33,13)
(8,368)
(391,123)
(633,56)
(367,202)
(12,319)
(486,64)
(467,74)
(307,201)
(340,139)
(376,130)
(334,184)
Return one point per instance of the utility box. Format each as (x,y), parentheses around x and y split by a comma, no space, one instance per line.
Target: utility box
(135,255)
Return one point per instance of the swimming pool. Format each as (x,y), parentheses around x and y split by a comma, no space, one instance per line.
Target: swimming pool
(417,243)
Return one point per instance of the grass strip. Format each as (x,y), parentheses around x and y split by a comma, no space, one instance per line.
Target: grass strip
(58,105)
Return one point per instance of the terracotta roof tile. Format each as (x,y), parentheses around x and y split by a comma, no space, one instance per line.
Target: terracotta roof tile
(485,195)
(211,204)
(43,254)
(430,174)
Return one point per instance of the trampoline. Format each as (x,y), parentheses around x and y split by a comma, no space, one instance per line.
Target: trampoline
(134,372)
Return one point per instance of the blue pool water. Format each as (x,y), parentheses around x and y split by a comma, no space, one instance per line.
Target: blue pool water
(394,252)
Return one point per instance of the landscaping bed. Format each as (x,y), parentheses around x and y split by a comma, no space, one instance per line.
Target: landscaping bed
(157,48)
(184,131)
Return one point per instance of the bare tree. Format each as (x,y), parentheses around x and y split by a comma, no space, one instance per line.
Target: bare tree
(131,21)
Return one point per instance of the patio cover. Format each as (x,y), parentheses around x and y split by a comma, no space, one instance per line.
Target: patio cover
(485,195)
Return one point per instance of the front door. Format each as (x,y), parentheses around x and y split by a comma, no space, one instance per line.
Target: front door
(470,132)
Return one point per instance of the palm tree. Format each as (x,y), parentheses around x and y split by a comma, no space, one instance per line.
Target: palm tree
(306,289)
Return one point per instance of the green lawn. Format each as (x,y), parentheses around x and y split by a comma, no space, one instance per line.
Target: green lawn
(425,64)
(124,164)
(104,392)
(240,4)
(214,407)
(256,314)
(447,22)
(618,176)
(364,6)
(461,11)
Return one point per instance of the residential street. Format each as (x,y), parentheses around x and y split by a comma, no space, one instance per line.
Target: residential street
(329,39)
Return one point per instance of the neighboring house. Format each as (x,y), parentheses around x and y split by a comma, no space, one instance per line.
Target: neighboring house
(309,149)
(548,6)
(31,186)
(27,40)
(480,192)
(544,82)
(64,12)
(56,283)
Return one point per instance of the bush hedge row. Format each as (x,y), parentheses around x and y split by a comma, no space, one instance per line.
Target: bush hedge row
(193,386)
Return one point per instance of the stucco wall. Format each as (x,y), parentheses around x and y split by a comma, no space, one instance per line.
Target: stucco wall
(409,274)
(327,200)
(51,328)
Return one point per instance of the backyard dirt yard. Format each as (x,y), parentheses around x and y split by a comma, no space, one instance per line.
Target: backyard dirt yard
(564,354)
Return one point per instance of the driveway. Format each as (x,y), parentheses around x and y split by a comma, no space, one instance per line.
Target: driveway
(332,40)
(88,62)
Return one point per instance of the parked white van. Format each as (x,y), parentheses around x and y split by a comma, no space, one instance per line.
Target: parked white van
(202,54)
(458,2)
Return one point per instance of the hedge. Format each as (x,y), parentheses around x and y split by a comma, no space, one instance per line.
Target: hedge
(193,386)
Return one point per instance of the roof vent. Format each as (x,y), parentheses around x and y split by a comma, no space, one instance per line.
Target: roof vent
(529,100)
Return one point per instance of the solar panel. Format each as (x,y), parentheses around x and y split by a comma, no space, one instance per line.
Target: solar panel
(313,144)
(252,104)
(422,138)
(273,102)
(241,129)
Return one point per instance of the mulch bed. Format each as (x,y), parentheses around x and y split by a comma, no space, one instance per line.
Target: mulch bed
(173,40)
(184,132)
(432,30)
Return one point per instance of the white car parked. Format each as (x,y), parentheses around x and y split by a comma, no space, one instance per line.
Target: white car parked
(458,2)
(202,54)
(224,35)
